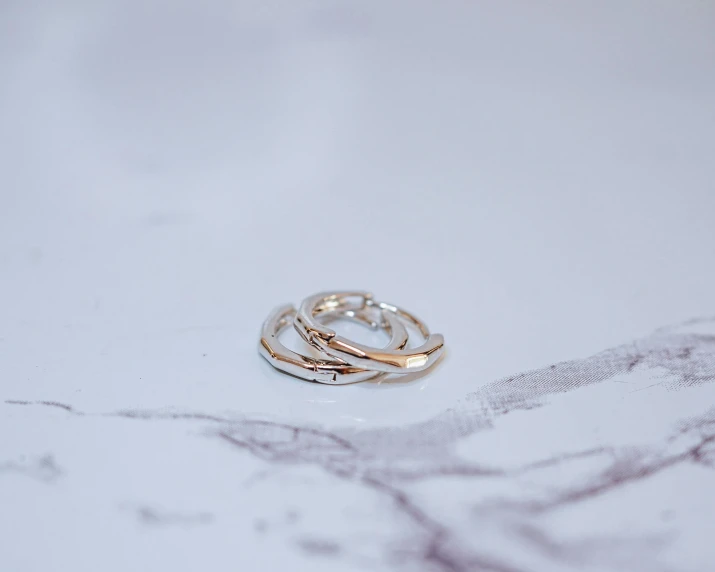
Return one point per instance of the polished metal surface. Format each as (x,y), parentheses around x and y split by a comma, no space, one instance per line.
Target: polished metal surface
(387,360)
(329,370)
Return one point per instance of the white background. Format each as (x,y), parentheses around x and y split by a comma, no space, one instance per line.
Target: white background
(534,179)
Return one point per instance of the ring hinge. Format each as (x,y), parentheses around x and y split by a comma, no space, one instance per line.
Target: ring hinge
(326,369)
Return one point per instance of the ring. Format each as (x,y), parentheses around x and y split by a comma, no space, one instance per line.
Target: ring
(328,370)
(387,360)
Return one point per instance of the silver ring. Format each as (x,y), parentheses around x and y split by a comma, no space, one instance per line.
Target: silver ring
(329,370)
(387,360)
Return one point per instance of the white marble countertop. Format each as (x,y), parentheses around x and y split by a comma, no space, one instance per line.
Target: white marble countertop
(536,181)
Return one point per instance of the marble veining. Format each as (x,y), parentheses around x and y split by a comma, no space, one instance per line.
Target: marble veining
(550,469)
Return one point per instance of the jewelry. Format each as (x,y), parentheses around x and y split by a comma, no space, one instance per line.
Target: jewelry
(328,370)
(388,360)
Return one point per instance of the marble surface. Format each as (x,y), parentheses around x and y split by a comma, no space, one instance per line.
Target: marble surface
(552,469)
(534,180)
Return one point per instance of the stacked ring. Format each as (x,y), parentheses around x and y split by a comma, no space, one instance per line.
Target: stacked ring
(341,360)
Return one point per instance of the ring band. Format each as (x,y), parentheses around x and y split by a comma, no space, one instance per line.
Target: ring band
(387,360)
(327,370)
